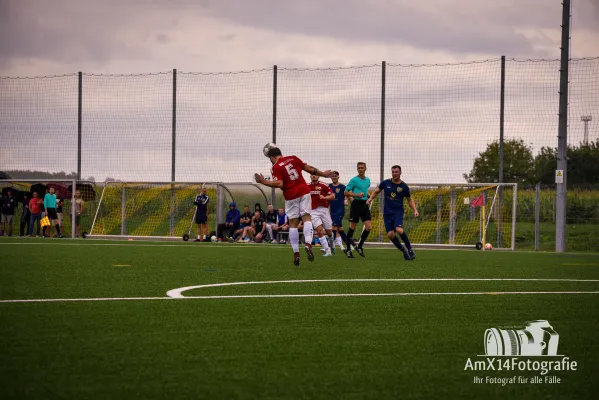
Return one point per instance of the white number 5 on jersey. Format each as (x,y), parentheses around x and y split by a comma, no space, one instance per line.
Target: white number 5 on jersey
(293,175)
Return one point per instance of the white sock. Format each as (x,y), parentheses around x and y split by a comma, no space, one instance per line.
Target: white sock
(294,239)
(338,241)
(198,237)
(325,243)
(269,229)
(308,231)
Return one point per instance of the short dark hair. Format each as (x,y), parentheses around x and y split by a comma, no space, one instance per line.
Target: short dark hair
(275,151)
(396,166)
(336,173)
(361,163)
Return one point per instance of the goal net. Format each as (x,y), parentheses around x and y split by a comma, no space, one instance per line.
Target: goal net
(456,215)
(166,210)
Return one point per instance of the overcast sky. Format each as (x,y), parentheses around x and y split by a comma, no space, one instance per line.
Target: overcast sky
(41,37)
(449,107)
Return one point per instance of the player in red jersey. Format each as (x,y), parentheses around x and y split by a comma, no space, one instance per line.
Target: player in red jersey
(287,176)
(321,217)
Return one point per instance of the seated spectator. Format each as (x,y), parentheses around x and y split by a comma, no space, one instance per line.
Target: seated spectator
(245,222)
(25,216)
(258,207)
(258,228)
(271,222)
(35,207)
(282,227)
(9,202)
(231,223)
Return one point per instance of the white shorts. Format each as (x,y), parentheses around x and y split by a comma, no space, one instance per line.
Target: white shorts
(299,207)
(322,216)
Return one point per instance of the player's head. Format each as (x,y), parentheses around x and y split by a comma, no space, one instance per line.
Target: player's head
(77,193)
(257,214)
(257,207)
(34,194)
(314,178)
(246,209)
(52,190)
(232,205)
(282,211)
(271,151)
(361,166)
(395,172)
(270,208)
(9,192)
(335,178)
(204,190)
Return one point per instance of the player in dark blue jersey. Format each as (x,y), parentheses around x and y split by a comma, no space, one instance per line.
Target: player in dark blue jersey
(395,191)
(337,209)
(201,216)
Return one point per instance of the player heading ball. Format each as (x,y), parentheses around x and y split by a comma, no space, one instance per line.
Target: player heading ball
(287,175)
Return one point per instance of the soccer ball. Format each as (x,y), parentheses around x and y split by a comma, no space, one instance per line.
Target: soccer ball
(213,238)
(268,147)
(488,246)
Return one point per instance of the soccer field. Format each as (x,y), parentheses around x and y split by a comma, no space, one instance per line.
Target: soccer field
(99,322)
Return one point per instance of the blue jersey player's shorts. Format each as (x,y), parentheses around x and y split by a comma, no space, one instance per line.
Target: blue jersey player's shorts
(393,221)
(337,219)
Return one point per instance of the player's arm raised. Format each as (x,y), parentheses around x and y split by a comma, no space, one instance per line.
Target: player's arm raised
(262,180)
(315,171)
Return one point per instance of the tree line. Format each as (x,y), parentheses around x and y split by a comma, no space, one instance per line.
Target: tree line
(520,166)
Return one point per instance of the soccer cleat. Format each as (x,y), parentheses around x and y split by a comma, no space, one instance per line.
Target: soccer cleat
(327,254)
(333,250)
(411,254)
(348,253)
(296,258)
(308,248)
(406,255)
(360,251)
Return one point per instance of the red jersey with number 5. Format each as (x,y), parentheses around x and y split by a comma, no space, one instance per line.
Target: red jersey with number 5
(289,170)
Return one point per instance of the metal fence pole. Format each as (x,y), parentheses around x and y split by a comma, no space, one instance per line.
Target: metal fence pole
(562,136)
(124,211)
(173,154)
(439,204)
(537,215)
(274,122)
(79,115)
(501,153)
(382,160)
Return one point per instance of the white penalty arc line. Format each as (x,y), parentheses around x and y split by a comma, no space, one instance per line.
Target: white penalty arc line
(178,293)
(265,296)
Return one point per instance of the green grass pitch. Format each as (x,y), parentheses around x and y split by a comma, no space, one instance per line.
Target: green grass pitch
(361,331)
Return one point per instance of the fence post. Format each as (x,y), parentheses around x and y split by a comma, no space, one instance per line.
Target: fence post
(274,122)
(124,211)
(452,216)
(537,215)
(439,204)
(501,153)
(79,115)
(382,160)
(173,154)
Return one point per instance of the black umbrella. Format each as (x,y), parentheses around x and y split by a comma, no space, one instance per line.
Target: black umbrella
(15,192)
(40,188)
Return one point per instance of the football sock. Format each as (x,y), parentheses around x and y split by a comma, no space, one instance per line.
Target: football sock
(308,231)
(57,229)
(404,237)
(397,243)
(334,235)
(324,242)
(343,235)
(365,234)
(294,239)
(350,233)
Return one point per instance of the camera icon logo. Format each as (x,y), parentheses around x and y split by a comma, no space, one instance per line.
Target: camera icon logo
(536,338)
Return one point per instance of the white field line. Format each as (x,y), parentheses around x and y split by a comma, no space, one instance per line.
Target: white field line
(178,293)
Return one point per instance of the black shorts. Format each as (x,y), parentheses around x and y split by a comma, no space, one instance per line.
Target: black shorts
(51,212)
(359,210)
(200,219)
